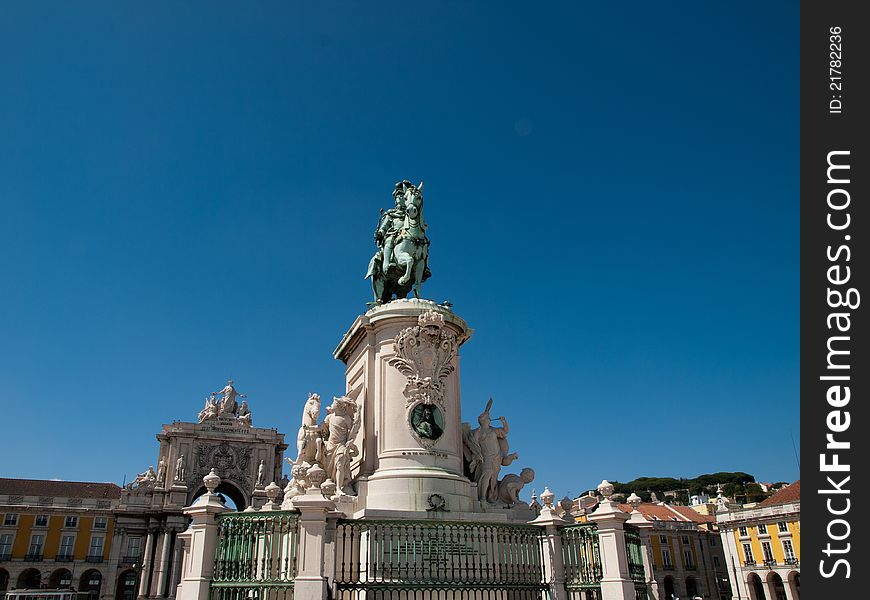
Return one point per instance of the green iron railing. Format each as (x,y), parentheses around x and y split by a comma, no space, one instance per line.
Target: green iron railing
(581,557)
(634,549)
(438,559)
(256,556)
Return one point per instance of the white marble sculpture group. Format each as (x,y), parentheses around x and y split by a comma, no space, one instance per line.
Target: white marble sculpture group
(325,450)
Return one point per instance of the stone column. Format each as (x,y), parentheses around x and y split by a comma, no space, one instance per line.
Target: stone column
(790,592)
(200,542)
(769,588)
(145,572)
(616,583)
(176,566)
(312,563)
(163,565)
(645,528)
(554,566)
(107,590)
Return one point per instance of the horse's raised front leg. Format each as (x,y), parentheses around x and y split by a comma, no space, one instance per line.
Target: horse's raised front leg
(419,269)
(405,260)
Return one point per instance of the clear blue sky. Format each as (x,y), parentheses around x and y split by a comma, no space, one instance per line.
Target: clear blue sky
(189,191)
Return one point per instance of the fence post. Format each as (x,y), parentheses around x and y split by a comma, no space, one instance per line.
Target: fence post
(644,527)
(200,542)
(554,566)
(616,583)
(313,573)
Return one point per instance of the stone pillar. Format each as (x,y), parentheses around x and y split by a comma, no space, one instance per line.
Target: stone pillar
(554,566)
(790,592)
(145,572)
(200,543)
(313,564)
(109,583)
(163,565)
(770,588)
(176,566)
(399,469)
(616,583)
(645,529)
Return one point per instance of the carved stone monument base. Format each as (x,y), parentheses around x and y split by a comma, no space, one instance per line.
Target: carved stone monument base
(403,369)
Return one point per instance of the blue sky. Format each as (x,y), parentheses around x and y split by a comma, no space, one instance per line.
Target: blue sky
(189,190)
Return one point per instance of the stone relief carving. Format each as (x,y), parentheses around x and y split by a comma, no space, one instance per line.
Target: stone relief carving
(424,354)
(426,422)
(230,462)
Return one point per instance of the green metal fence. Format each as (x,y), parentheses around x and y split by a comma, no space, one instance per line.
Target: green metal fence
(256,556)
(634,549)
(582,559)
(400,560)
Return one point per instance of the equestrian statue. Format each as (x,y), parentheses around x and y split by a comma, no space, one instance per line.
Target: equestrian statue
(401,261)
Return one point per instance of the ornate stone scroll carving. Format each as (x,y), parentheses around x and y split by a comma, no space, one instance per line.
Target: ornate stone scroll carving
(424,354)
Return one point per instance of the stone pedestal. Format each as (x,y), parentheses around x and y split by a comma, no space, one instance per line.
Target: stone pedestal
(200,542)
(316,557)
(401,470)
(616,583)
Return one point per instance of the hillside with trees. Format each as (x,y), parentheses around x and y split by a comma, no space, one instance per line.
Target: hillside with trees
(737,485)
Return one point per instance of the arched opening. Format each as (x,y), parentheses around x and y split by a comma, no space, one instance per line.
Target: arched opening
(756,587)
(778,586)
(126,588)
(231,495)
(794,582)
(669,588)
(90,584)
(691,587)
(4,580)
(29,579)
(62,578)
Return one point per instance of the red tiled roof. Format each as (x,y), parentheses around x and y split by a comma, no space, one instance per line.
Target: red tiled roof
(786,495)
(667,512)
(58,489)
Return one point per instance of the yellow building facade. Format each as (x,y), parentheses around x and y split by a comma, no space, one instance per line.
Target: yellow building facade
(763,545)
(56,534)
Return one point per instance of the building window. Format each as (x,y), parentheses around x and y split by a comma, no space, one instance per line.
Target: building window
(10,519)
(712,541)
(747,555)
(96,549)
(783,527)
(5,544)
(66,546)
(71,522)
(742,531)
(685,539)
(36,542)
(788,551)
(666,559)
(716,561)
(100,522)
(663,539)
(768,553)
(134,547)
(690,561)
(40,521)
